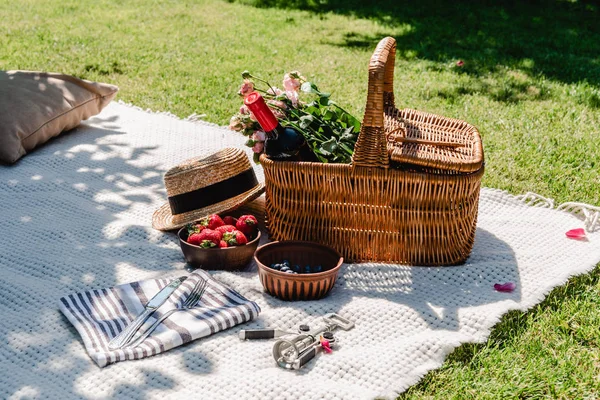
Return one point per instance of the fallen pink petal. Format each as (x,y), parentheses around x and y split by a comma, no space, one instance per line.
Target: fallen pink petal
(578,233)
(505,287)
(460,63)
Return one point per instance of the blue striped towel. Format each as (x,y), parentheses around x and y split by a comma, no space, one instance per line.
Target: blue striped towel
(99,315)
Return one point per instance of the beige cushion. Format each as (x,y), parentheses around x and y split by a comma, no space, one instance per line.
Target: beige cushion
(36,106)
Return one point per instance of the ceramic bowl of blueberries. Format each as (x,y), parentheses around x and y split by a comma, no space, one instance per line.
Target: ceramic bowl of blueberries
(297,270)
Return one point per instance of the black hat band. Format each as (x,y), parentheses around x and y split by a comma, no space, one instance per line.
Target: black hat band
(212,194)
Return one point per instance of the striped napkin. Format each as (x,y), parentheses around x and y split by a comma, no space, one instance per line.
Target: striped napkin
(99,315)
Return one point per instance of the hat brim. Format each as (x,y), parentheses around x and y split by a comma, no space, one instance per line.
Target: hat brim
(163,219)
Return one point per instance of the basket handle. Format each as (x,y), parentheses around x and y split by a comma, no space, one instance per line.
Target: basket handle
(371,146)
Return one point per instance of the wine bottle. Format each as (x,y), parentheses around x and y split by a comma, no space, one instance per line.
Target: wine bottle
(281,143)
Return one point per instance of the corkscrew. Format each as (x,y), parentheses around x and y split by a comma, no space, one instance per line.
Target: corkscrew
(293,353)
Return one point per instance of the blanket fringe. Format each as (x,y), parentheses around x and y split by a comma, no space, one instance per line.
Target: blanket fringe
(535,200)
(588,213)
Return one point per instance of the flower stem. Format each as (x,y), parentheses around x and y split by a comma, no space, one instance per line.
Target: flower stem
(263,81)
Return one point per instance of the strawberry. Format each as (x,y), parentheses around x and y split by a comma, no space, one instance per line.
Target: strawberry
(194,239)
(207,244)
(210,235)
(247,224)
(226,228)
(212,221)
(229,220)
(194,228)
(235,238)
(223,243)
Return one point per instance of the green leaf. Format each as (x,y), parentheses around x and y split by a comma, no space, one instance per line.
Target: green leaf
(312,108)
(256,158)
(246,74)
(330,146)
(328,115)
(348,134)
(346,148)
(250,142)
(323,152)
(305,121)
(324,101)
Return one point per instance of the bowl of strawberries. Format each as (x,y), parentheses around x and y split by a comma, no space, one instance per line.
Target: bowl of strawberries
(225,243)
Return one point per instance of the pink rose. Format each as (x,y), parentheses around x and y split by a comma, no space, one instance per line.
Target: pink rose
(247,123)
(246,88)
(244,110)
(235,124)
(278,113)
(258,147)
(277,103)
(290,84)
(293,96)
(258,136)
(273,91)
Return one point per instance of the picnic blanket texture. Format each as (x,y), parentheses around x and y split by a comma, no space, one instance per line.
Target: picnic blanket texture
(76,216)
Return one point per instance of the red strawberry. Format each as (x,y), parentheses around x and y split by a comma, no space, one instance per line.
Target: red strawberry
(247,224)
(223,243)
(210,235)
(194,228)
(212,221)
(226,228)
(235,238)
(207,244)
(229,220)
(194,239)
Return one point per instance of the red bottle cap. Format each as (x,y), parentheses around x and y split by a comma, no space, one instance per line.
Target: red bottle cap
(261,111)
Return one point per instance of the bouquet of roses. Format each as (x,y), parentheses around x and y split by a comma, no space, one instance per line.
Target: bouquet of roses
(329,130)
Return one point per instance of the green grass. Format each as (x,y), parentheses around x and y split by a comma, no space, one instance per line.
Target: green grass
(530,83)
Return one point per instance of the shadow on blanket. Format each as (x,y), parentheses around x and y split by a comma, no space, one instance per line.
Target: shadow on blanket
(437,293)
(76,200)
(433,294)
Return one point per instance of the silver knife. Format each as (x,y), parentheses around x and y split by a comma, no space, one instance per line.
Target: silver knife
(122,338)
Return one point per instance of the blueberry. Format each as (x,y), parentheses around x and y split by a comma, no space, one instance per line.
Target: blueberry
(296,268)
(307,269)
(285,269)
(286,263)
(318,268)
(289,271)
(276,266)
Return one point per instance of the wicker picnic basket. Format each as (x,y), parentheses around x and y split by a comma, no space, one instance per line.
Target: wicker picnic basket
(409,196)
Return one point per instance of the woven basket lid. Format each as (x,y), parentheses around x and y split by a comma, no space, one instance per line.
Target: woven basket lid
(432,141)
(199,187)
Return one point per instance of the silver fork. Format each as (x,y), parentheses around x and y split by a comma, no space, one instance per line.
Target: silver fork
(190,302)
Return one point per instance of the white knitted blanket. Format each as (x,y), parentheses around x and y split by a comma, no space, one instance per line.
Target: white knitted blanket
(76,215)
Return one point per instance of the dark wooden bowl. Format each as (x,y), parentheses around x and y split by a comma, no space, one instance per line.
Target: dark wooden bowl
(298,286)
(228,259)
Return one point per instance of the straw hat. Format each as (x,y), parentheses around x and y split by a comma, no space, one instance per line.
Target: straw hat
(199,187)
